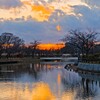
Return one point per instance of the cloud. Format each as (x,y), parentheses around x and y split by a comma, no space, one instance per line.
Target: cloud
(42,13)
(92,3)
(90,16)
(40,10)
(4,4)
(84,17)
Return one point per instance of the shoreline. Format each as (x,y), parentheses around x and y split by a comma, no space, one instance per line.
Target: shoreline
(83,68)
(18,60)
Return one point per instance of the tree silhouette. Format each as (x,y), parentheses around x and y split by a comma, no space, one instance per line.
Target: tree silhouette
(10,43)
(34,47)
(83,41)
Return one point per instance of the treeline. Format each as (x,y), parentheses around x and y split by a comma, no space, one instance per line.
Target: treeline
(13,46)
(77,43)
(84,44)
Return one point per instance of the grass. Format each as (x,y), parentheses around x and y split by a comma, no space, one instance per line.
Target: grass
(20,60)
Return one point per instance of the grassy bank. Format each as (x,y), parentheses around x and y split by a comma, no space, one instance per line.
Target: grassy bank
(92,59)
(19,60)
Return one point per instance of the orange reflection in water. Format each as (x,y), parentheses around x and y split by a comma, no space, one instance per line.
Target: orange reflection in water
(38,91)
(59,78)
(67,96)
(42,92)
(11,91)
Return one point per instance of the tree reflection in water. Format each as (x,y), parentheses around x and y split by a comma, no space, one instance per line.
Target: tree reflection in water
(14,71)
(87,87)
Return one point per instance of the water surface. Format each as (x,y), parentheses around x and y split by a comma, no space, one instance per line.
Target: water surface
(47,82)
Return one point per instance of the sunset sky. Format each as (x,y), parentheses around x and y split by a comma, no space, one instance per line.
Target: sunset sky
(47,20)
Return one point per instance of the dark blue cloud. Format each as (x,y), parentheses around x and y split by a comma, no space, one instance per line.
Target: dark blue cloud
(4,4)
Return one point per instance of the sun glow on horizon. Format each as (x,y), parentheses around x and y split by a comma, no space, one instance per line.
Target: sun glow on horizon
(51,46)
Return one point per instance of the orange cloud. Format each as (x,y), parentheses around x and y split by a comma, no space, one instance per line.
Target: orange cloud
(43,13)
(39,10)
(58,27)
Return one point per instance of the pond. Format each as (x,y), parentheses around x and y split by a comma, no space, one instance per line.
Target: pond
(47,81)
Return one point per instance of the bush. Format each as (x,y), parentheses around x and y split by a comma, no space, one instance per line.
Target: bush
(92,58)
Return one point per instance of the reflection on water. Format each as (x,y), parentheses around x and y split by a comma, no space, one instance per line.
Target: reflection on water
(18,91)
(46,82)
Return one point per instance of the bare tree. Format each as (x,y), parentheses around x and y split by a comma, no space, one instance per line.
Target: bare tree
(10,42)
(83,41)
(34,46)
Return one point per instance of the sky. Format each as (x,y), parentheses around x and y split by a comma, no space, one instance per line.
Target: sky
(47,20)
